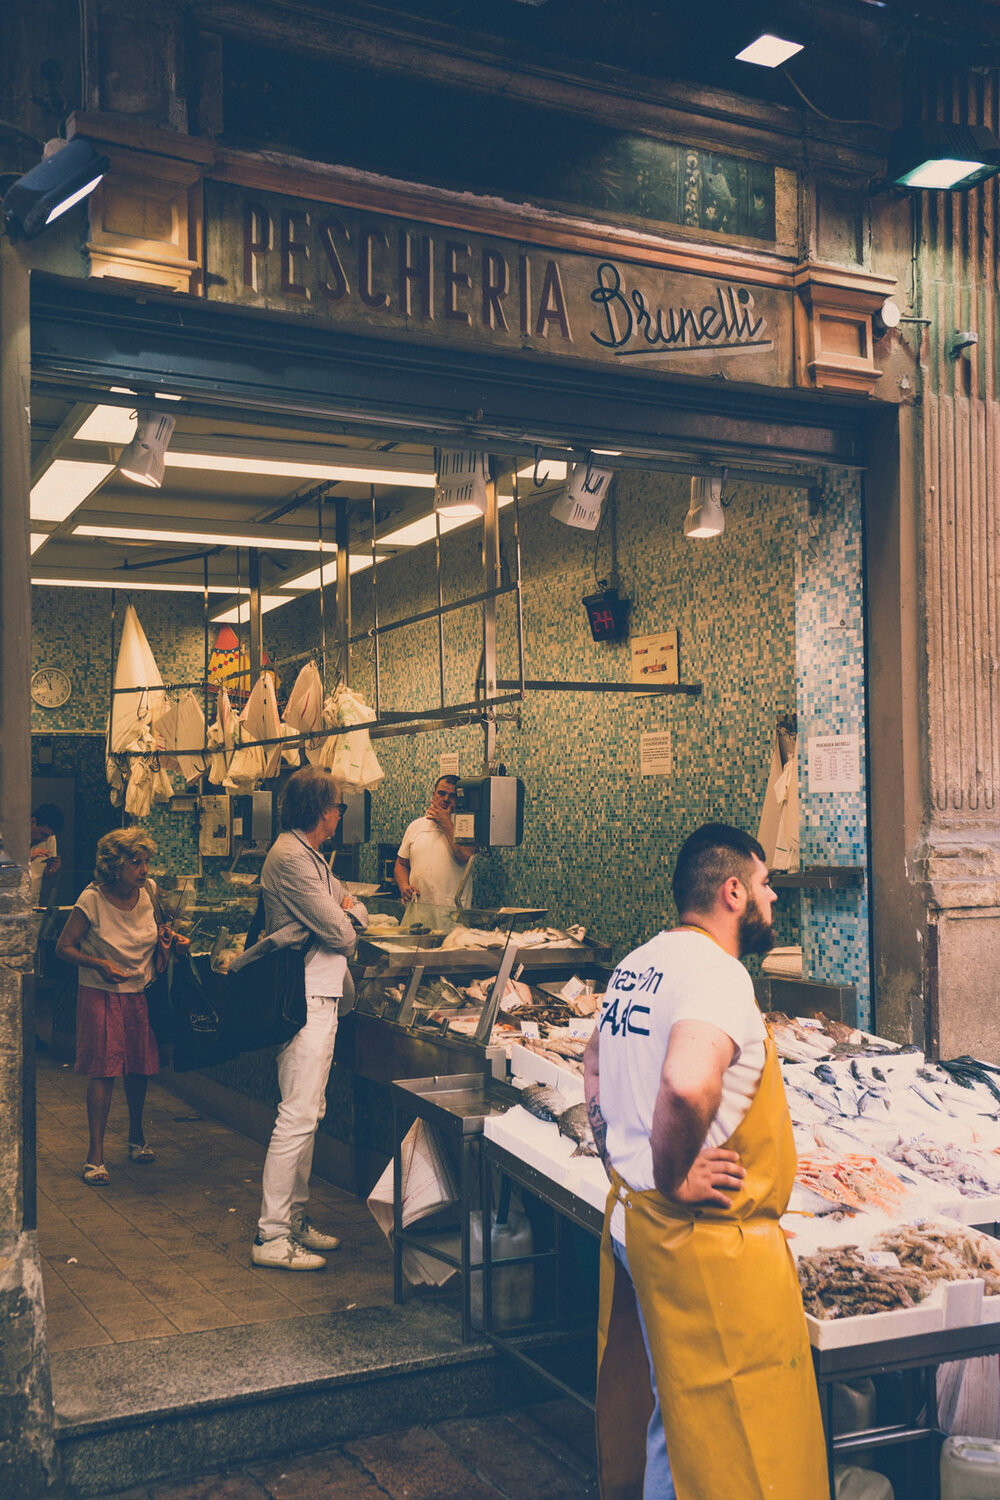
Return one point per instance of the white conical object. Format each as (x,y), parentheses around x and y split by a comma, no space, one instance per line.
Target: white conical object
(705,515)
(144,460)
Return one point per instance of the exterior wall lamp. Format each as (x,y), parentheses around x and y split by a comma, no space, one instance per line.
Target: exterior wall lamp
(68,171)
(934,156)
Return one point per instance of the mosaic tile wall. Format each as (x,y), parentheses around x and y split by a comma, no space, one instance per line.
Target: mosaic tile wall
(830,696)
(758,613)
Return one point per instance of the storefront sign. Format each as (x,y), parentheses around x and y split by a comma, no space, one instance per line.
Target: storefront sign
(374,273)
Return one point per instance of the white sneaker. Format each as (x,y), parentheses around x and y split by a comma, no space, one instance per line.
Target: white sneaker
(314,1239)
(285,1254)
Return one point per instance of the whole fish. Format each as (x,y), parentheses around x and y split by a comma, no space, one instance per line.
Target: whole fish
(573,1122)
(544,1102)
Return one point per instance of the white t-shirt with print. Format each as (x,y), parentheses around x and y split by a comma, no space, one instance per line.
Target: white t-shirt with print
(676,976)
(434,870)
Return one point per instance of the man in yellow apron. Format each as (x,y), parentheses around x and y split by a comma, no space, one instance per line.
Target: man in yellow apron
(705,1381)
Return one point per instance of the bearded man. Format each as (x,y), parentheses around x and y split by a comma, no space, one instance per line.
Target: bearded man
(698,1287)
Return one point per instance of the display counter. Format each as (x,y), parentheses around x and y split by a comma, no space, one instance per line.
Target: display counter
(453,1001)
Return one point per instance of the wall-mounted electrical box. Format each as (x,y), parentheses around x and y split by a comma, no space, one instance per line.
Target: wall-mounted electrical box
(490,812)
(356,824)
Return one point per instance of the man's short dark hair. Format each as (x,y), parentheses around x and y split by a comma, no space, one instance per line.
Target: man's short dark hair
(308,795)
(451,780)
(708,857)
(47,815)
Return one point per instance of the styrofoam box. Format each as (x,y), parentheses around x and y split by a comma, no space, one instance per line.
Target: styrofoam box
(527,1064)
(973,1210)
(535,1142)
(952,1304)
(872,1328)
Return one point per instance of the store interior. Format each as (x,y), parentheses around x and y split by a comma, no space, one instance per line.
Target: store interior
(769,627)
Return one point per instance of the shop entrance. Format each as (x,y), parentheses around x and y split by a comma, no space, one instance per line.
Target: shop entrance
(298,460)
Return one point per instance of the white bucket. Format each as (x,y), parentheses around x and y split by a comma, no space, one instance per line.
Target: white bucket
(970,1469)
(851,1483)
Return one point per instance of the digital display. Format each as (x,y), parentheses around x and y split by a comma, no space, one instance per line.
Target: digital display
(607,615)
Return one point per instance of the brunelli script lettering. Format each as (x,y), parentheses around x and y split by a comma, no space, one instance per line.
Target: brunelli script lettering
(633,326)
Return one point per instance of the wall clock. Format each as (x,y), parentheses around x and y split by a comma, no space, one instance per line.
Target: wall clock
(50,687)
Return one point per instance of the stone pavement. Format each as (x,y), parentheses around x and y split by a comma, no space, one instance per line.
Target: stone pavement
(543,1452)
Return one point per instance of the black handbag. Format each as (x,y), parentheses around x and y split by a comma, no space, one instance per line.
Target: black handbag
(157,991)
(265,1002)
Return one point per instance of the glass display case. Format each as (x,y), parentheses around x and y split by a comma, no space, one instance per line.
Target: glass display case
(450,994)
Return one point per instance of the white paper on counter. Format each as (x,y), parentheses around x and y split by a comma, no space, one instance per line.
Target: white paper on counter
(427,1186)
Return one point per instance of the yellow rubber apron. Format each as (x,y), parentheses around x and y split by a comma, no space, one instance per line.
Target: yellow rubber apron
(722,1307)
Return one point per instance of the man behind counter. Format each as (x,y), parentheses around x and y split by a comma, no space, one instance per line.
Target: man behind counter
(46,822)
(430,864)
(687,1105)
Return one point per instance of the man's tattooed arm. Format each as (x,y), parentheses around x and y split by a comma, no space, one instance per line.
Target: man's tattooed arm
(592,1094)
(599,1130)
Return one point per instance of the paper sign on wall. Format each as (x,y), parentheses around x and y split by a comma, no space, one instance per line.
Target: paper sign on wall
(834,763)
(654,657)
(448,764)
(655,757)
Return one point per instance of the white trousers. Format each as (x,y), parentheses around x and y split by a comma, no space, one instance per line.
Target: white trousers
(303,1072)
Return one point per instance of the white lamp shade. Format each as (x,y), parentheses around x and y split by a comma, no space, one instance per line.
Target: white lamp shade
(705,515)
(143,459)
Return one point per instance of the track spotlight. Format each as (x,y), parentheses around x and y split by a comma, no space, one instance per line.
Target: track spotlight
(705,515)
(68,172)
(461,483)
(143,459)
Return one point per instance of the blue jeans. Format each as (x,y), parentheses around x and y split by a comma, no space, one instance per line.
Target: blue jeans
(658,1483)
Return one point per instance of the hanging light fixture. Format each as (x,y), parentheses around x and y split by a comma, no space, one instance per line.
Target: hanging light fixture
(461,483)
(143,459)
(705,515)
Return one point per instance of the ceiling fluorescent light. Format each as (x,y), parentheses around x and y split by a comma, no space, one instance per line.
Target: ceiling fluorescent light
(303,461)
(420,531)
(769,51)
(65,484)
(309,581)
(136,583)
(267,541)
(38,539)
(239,614)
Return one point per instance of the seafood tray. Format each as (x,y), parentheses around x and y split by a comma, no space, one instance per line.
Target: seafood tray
(952,1304)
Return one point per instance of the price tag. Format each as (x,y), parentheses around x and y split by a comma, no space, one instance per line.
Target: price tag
(809,1023)
(529,1030)
(572,988)
(581,1030)
(885,1260)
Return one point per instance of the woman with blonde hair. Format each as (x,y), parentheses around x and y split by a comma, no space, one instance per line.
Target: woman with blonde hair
(112,935)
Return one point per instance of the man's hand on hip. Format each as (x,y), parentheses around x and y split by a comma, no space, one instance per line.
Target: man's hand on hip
(714,1176)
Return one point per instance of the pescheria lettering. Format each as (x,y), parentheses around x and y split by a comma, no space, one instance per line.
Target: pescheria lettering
(322,257)
(636,328)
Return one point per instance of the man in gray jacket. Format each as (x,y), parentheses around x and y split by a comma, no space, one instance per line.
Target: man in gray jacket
(299,888)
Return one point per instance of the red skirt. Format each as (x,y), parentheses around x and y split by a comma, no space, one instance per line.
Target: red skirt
(113,1034)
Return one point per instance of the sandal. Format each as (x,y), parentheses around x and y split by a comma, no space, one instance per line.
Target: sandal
(140,1152)
(95,1175)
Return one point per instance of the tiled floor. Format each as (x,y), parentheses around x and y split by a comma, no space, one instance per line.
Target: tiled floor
(165,1249)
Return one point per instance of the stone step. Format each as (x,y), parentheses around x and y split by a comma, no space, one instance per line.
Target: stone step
(135,1413)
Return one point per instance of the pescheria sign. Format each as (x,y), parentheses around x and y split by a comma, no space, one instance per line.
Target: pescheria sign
(374,272)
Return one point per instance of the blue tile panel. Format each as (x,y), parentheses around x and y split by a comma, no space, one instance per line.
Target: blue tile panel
(758,613)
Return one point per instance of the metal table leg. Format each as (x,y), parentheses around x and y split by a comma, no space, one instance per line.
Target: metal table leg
(397,1209)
